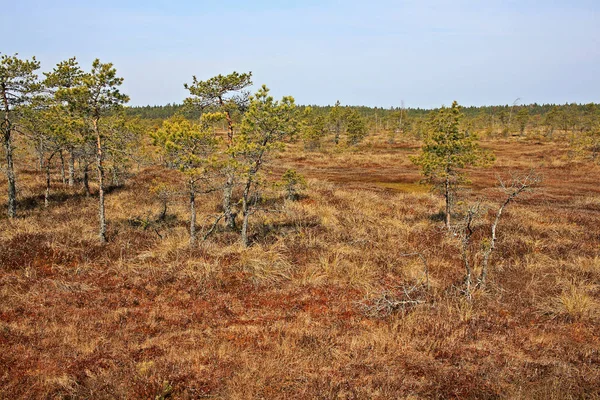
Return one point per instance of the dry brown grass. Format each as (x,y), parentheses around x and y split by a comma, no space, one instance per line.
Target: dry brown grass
(145,317)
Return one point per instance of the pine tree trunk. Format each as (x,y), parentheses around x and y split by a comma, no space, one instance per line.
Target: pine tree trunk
(47,194)
(493,238)
(468,273)
(10,173)
(245,240)
(228,189)
(163,212)
(71,169)
(466,240)
(86,179)
(246,212)
(227,195)
(447,196)
(100,168)
(192,214)
(62,168)
(10,170)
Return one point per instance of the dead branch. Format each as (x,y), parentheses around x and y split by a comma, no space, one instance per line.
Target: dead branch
(387,302)
(512,188)
(213,227)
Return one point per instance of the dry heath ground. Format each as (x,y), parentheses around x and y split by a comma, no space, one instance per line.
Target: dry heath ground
(330,300)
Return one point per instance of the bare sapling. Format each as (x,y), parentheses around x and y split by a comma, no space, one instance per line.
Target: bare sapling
(516,186)
(464,230)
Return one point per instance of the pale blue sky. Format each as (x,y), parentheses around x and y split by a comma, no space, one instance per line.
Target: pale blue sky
(374,53)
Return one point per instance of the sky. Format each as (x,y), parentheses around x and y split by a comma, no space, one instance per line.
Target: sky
(377,53)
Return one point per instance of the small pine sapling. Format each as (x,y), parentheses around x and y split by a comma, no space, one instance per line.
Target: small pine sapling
(292,183)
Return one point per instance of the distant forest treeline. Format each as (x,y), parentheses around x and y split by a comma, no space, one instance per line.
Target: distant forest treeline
(168,110)
(545,118)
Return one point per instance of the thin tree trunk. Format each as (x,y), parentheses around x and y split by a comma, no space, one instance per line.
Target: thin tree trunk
(245,240)
(466,240)
(163,212)
(244,233)
(213,227)
(100,168)
(10,170)
(10,174)
(447,196)
(228,189)
(192,214)
(62,168)
(246,195)
(468,279)
(229,123)
(246,212)
(86,179)
(71,169)
(227,195)
(47,194)
(490,249)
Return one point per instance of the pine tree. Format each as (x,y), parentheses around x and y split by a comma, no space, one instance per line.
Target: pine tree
(522,119)
(314,129)
(190,148)
(266,124)
(447,149)
(65,76)
(292,181)
(45,124)
(18,84)
(337,119)
(96,97)
(356,129)
(224,95)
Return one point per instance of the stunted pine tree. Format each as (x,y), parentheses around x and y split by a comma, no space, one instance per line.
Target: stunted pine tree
(225,96)
(264,127)
(65,76)
(399,122)
(343,120)
(337,120)
(45,125)
(123,139)
(356,129)
(446,151)
(314,129)
(522,119)
(18,84)
(292,182)
(96,97)
(190,148)
(587,145)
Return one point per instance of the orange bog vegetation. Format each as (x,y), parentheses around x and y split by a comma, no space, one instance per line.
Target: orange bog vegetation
(325,303)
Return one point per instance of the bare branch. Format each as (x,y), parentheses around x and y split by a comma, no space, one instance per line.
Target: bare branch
(512,188)
(213,227)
